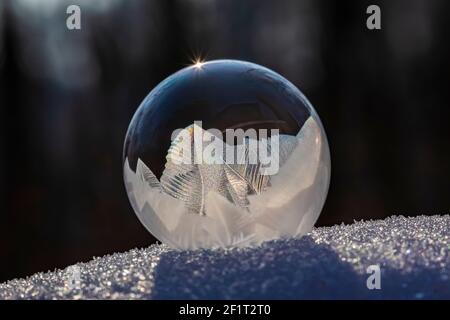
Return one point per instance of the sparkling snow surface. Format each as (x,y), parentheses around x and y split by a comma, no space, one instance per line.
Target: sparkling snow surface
(330,262)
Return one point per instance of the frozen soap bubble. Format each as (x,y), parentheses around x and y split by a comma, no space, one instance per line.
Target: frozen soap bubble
(226,153)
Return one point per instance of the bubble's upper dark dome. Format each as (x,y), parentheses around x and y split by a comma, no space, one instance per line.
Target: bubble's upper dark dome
(223,94)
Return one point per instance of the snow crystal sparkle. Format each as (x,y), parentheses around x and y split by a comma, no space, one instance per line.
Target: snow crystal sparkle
(328,263)
(275,183)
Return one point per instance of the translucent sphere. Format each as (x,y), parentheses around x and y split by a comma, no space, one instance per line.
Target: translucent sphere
(226,153)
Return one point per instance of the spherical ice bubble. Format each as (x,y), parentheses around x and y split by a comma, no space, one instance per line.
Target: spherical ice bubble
(226,153)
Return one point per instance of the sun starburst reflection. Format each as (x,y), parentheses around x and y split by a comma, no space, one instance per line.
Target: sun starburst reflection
(198,64)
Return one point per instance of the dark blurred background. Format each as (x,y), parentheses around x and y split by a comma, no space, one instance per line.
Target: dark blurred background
(67,98)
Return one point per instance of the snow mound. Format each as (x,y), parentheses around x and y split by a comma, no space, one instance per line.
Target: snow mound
(328,263)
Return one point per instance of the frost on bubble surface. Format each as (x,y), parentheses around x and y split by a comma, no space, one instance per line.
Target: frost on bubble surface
(200,205)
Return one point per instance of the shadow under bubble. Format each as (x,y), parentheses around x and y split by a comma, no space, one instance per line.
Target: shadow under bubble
(286,269)
(282,269)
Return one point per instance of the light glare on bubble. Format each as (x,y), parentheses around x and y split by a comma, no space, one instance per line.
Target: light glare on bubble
(198,64)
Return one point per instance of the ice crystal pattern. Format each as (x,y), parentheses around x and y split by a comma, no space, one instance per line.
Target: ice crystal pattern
(222,205)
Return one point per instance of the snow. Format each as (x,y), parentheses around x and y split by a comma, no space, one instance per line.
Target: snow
(328,263)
